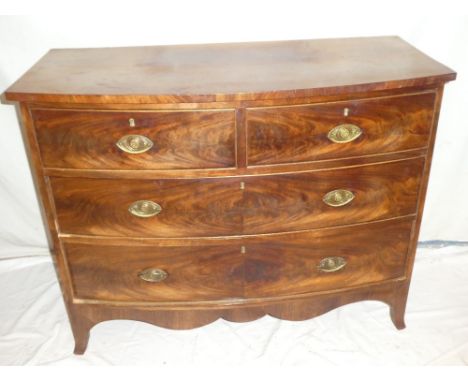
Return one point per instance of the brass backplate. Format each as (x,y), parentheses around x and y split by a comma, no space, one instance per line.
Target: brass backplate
(153,275)
(331,264)
(338,198)
(134,144)
(344,133)
(144,208)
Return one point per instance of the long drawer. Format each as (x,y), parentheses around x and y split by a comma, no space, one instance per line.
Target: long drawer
(233,206)
(339,129)
(251,267)
(136,139)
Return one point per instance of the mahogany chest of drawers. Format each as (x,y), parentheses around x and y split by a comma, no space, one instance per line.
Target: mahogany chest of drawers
(182,184)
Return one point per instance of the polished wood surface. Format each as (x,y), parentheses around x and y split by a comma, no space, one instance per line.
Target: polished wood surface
(239,171)
(302,307)
(197,207)
(226,72)
(245,205)
(299,133)
(182,139)
(295,201)
(282,266)
(194,273)
(240,165)
(243,268)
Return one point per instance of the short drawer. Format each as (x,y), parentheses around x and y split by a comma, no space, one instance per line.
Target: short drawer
(148,208)
(300,201)
(135,272)
(338,130)
(327,259)
(136,140)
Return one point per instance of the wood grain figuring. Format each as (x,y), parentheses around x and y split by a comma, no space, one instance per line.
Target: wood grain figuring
(240,164)
(299,133)
(281,267)
(278,266)
(301,308)
(226,72)
(266,204)
(294,201)
(184,139)
(197,207)
(110,273)
(231,172)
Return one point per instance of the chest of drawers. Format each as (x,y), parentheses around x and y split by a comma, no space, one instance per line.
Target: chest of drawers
(182,184)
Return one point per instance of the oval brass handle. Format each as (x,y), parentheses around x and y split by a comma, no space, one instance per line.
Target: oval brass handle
(153,275)
(338,198)
(331,264)
(134,144)
(344,133)
(144,208)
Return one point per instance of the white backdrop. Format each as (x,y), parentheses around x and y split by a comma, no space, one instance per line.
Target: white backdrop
(439,29)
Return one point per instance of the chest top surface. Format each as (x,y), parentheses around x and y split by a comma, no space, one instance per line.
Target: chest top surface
(227,72)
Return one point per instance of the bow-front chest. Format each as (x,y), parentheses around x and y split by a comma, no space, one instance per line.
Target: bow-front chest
(182,184)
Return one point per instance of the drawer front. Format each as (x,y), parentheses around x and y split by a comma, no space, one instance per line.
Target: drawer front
(300,133)
(291,264)
(172,139)
(252,267)
(192,207)
(293,202)
(222,207)
(122,273)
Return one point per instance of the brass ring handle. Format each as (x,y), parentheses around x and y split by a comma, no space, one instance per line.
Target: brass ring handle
(153,275)
(331,264)
(134,144)
(344,133)
(338,198)
(144,208)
